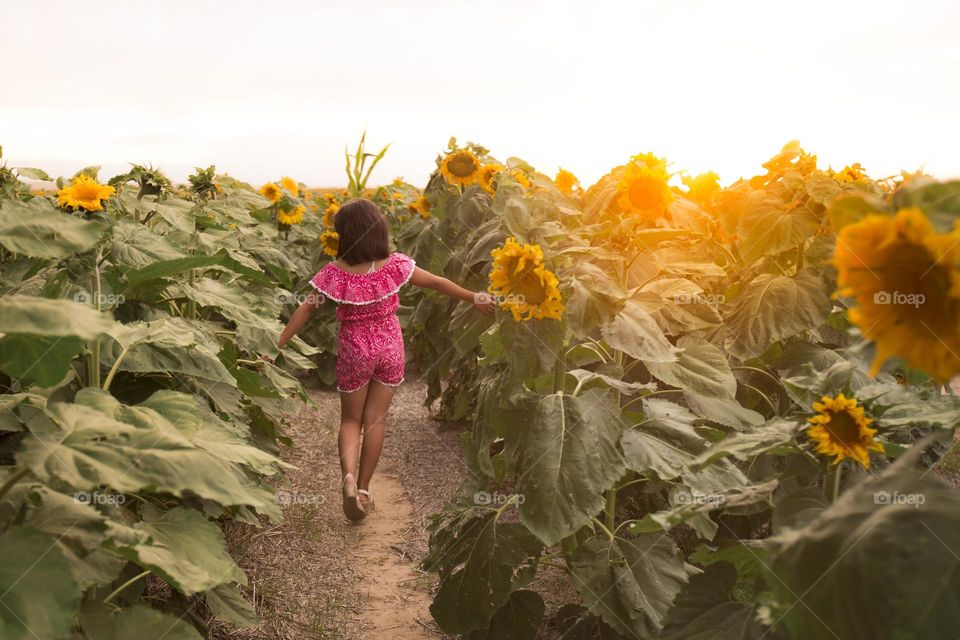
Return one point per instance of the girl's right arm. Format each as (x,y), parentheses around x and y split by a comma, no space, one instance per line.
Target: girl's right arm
(299,318)
(481,300)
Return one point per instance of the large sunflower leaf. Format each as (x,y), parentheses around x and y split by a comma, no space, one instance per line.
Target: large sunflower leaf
(37,229)
(567,456)
(881,558)
(774,307)
(518,619)
(770,436)
(39,595)
(255,315)
(139,621)
(630,582)
(227,603)
(636,333)
(135,246)
(489,551)
(768,226)
(701,368)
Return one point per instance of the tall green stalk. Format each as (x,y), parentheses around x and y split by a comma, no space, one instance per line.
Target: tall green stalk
(93,375)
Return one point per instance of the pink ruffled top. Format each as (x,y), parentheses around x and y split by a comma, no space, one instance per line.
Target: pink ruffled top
(364,296)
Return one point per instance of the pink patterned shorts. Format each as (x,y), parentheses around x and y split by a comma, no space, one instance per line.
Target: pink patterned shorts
(370,350)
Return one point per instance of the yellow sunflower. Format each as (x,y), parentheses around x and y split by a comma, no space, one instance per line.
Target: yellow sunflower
(398,181)
(703,187)
(420,206)
(566,181)
(330,241)
(840,429)
(850,173)
(271,191)
(85,193)
(905,278)
(488,173)
(328,214)
(521,178)
(290,185)
(643,188)
(527,289)
(461,168)
(291,216)
(397,195)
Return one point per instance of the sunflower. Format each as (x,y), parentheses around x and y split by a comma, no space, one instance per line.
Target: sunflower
(521,178)
(850,173)
(488,174)
(841,430)
(330,241)
(566,181)
(397,195)
(421,207)
(84,193)
(461,168)
(905,278)
(291,216)
(398,181)
(271,191)
(643,188)
(329,212)
(528,290)
(703,187)
(290,185)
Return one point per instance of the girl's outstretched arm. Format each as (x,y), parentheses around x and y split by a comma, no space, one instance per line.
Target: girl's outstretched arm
(300,318)
(481,300)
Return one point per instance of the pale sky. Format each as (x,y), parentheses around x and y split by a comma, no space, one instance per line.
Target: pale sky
(264,90)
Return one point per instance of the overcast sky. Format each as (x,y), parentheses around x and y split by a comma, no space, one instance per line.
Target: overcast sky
(270,89)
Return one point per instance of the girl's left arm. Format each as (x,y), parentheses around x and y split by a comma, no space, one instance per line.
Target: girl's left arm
(481,300)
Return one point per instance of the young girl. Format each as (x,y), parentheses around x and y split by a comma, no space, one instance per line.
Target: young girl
(364,281)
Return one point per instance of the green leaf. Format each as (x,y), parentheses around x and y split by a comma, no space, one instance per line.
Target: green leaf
(227,603)
(135,245)
(185,549)
(37,229)
(630,582)
(44,317)
(487,552)
(39,596)
(772,435)
(141,622)
(701,368)
(32,173)
(707,610)
(518,619)
(568,456)
(138,278)
(636,333)
(768,226)
(879,563)
(37,359)
(725,411)
(773,308)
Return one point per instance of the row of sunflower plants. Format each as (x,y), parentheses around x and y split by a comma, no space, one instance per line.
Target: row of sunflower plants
(137,416)
(715,409)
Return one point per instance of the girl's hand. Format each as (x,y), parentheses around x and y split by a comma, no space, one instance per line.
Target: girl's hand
(484,302)
(266,358)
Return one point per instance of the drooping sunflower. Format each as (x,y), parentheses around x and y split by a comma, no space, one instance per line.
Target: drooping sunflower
(905,278)
(85,193)
(488,173)
(290,185)
(841,429)
(566,181)
(330,242)
(421,206)
(528,290)
(329,212)
(291,216)
(643,188)
(461,168)
(271,191)
(850,173)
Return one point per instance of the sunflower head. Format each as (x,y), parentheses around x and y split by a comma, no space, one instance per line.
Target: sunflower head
(643,188)
(521,178)
(905,279)
(840,429)
(330,242)
(461,168)
(566,182)
(291,216)
(528,290)
(421,206)
(271,191)
(329,213)
(398,181)
(703,187)
(488,173)
(85,193)
(850,173)
(290,185)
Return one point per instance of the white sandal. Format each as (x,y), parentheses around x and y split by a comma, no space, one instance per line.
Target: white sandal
(352,507)
(368,505)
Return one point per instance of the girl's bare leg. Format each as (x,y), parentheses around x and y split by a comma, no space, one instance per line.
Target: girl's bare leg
(374,419)
(351,419)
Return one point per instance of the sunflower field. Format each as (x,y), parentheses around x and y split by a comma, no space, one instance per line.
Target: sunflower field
(715,409)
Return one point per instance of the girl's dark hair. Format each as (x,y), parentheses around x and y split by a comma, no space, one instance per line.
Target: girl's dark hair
(363,232)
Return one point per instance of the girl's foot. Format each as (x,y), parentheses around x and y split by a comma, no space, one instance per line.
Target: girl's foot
(365,500)
(352,508)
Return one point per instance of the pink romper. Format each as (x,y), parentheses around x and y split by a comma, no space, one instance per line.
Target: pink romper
(370,343)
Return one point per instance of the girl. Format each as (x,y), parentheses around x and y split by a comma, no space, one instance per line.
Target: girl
(364,281)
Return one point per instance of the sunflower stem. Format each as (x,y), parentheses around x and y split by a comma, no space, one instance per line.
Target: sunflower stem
(93,376)
(831,485)
(12,480)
